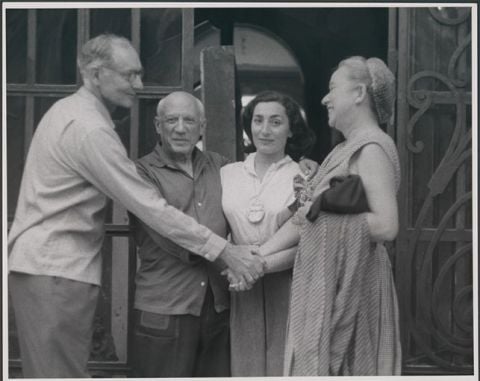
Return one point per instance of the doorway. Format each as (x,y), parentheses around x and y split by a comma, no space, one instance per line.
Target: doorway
(316,38)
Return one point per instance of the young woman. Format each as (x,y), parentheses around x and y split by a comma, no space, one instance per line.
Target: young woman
(255,200)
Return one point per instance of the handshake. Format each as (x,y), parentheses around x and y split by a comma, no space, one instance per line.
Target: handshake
(244,266)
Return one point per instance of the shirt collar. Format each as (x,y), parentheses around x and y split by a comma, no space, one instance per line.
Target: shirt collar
(161,159)
(249,163)
(99,106)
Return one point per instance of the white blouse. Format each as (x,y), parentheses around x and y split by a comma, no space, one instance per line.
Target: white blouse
(241,187)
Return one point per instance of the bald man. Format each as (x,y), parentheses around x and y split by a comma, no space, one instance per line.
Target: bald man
(181,300)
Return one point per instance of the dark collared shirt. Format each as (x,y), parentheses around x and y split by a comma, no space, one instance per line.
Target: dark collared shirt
(171,280)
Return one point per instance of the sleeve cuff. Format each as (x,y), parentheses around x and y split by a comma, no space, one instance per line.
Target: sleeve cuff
(213,247)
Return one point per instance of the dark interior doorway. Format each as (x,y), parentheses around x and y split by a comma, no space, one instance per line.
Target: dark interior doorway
(319,38)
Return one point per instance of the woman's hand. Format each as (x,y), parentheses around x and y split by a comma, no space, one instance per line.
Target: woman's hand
(235,283)
(308,167)
(240,284)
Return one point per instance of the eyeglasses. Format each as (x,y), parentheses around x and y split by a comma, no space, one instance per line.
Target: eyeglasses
(129,76)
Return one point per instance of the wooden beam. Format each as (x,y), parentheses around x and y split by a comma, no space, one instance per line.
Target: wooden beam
(187,49)
(217,66)
(45,90)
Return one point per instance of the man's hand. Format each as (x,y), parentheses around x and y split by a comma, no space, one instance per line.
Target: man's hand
(243,264)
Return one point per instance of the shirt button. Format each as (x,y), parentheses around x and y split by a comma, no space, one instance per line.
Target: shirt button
(199,204)
(202,284)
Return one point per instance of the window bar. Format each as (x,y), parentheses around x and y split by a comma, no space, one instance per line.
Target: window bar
(187,49)
(31,45)
(392,57)
(461,278)
(134,142)
(31,65)
(134,111)
(83,21)
(402,113)
(462,66)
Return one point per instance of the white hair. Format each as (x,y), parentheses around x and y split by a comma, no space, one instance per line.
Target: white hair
(97,52)
(198,103)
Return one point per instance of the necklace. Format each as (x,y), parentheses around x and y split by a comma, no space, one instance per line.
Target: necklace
(256,211)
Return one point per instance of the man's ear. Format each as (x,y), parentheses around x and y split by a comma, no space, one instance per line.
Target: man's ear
(157,122)
(203,126)
(95,75)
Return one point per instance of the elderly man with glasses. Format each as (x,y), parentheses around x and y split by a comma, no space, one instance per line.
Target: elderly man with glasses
(75,161)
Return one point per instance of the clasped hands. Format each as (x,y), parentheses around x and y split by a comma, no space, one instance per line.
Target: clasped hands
(244,266)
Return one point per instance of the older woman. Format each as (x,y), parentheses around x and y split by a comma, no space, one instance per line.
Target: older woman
(255,200)
(343,316)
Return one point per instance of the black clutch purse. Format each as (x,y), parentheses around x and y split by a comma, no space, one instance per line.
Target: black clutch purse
(346,195)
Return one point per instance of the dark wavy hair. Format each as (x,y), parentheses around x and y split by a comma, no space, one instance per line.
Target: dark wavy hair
(303,138)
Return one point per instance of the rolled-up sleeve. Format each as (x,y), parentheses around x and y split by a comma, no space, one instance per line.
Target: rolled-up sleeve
(102,160)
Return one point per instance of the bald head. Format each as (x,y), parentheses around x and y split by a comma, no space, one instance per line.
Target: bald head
(180,98)
(180,122)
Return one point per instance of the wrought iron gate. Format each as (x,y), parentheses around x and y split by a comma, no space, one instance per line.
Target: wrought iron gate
(433,258)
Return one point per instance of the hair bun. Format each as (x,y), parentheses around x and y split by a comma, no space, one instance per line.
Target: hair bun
(383,88)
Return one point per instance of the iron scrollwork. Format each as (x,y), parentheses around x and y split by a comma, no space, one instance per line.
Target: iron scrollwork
(450,16)
(442,343)
(459,52)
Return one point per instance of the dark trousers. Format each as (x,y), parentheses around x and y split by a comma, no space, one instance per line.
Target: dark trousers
(54,319)
(182,345)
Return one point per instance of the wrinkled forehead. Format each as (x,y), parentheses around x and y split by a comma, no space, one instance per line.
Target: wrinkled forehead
(180,104)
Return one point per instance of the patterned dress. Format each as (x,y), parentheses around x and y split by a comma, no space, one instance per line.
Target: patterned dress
(343,316)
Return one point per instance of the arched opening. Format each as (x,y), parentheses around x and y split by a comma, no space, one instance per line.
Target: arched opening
(317,38)
(265,62)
